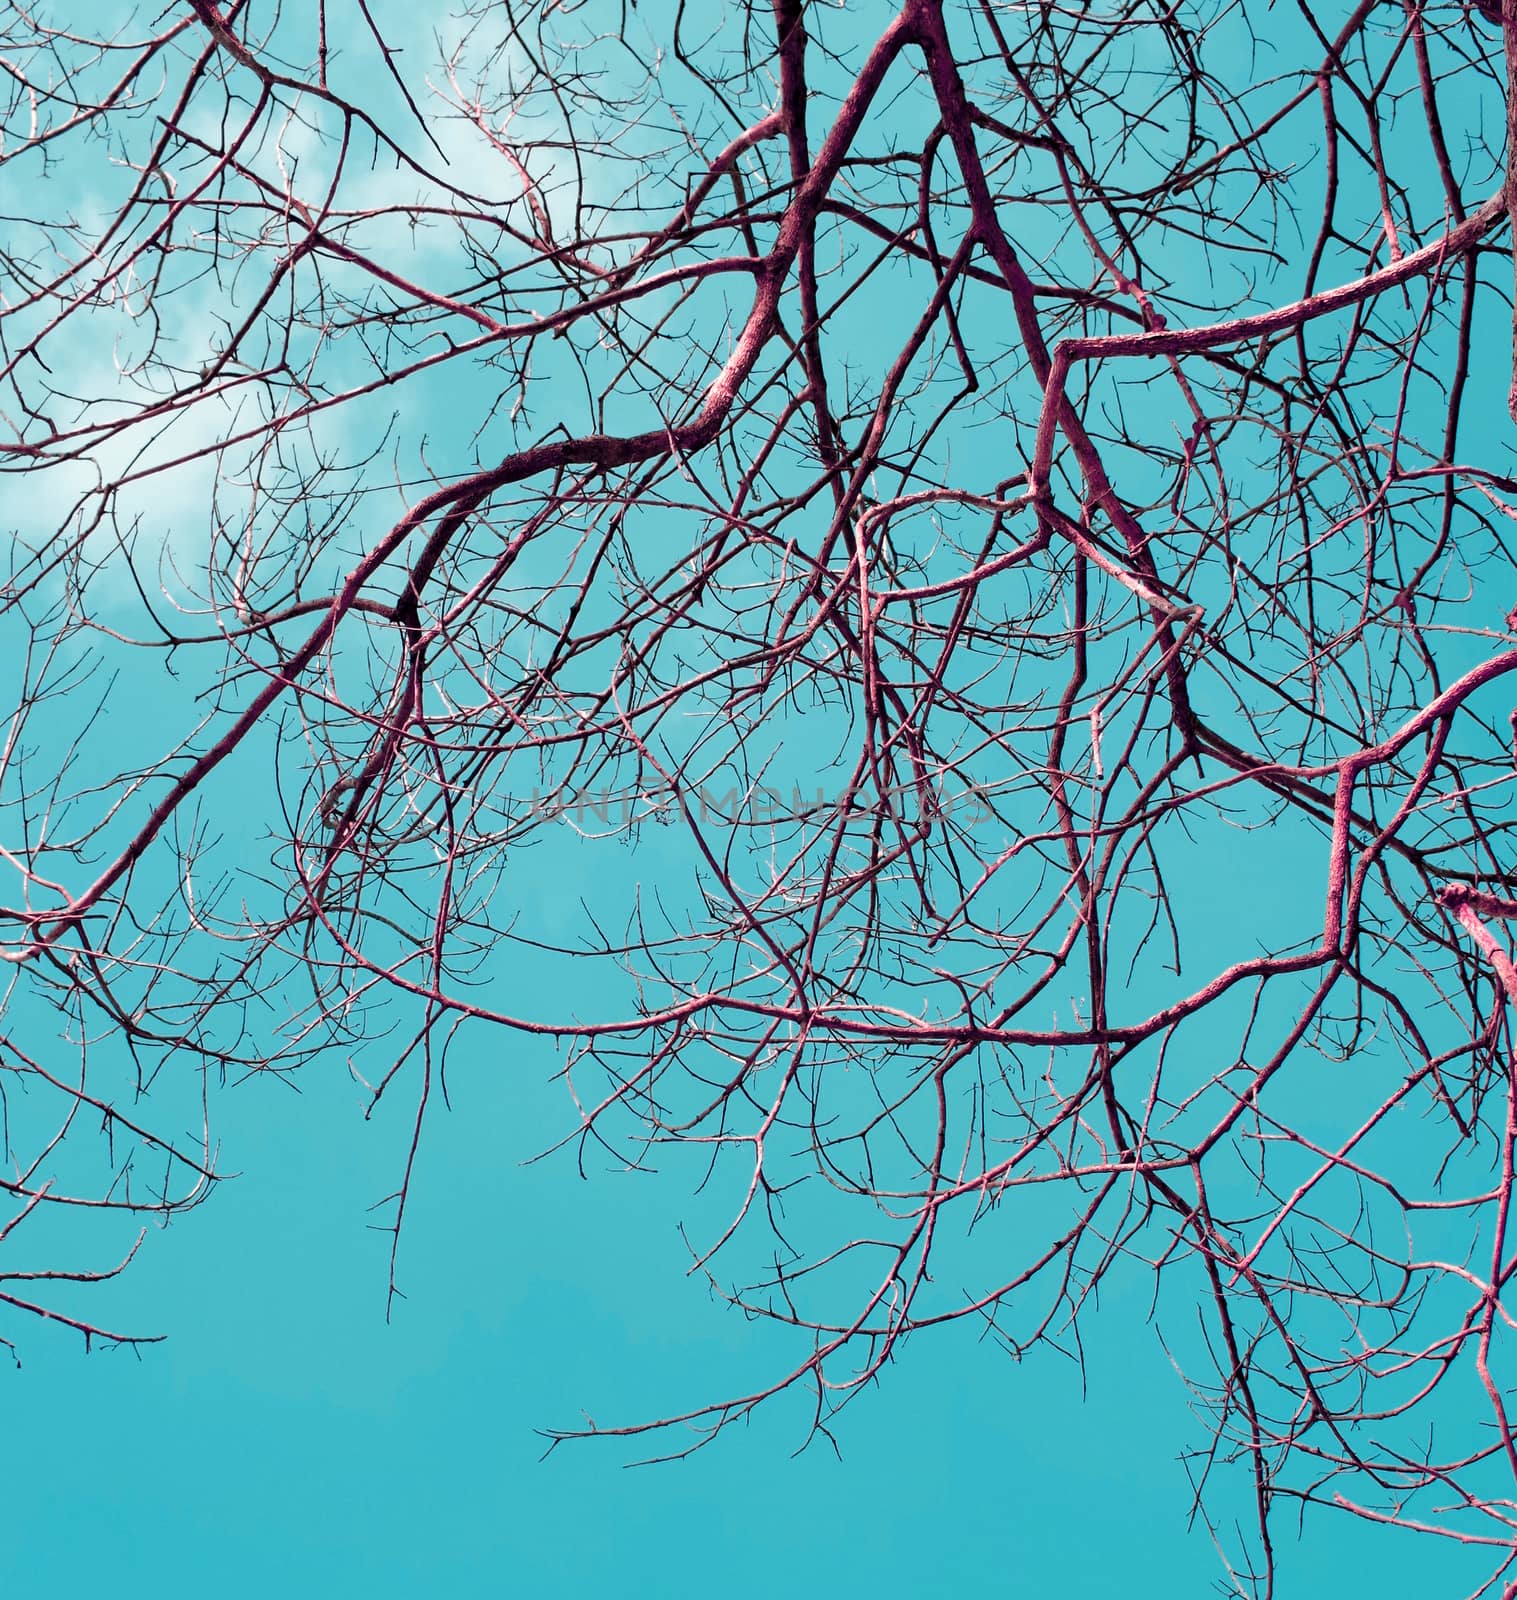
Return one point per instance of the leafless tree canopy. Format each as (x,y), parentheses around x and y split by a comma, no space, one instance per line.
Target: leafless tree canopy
(1005,506)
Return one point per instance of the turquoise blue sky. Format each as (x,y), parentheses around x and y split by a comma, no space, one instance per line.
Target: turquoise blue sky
(287,1439)
(295,1433)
